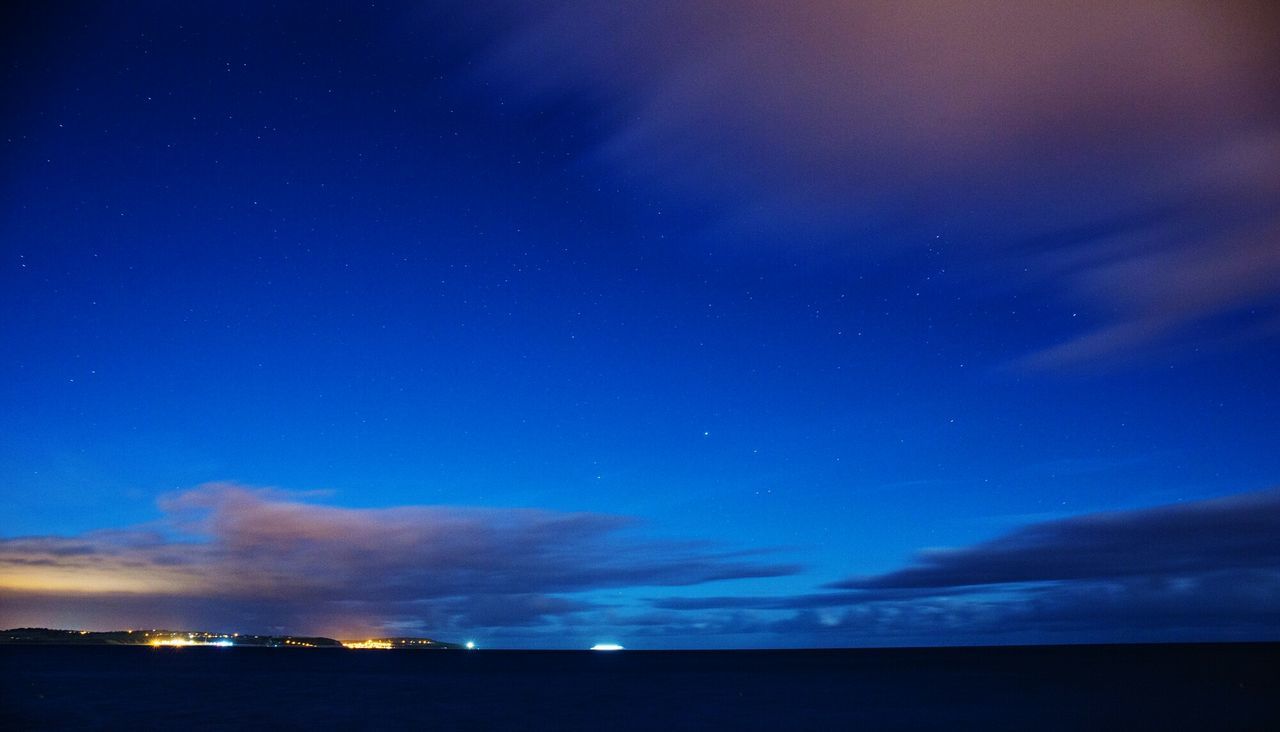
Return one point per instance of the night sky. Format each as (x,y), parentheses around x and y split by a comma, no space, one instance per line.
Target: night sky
(669,324)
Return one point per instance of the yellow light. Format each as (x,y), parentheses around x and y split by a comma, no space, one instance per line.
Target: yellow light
(365,644)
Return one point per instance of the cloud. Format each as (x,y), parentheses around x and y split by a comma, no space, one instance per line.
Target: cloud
(794,602)
(1206,570)
(227,554)
(1121,158)
(1236,533)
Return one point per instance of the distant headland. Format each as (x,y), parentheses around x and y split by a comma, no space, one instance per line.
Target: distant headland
(160,638)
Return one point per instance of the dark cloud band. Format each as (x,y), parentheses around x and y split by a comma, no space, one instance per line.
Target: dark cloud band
(240,551)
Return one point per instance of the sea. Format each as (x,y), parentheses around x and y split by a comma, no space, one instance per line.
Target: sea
(1123,687)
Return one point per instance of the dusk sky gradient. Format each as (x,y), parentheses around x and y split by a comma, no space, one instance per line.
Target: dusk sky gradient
(670,324)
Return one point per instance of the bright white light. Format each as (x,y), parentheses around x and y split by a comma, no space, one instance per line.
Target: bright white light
(606,647)
(223,643)
(471,645)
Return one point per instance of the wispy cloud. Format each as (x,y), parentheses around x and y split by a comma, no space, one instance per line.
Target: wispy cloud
(1124,158)
(227,554)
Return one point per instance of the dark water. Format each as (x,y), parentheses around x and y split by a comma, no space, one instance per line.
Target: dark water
(1100,687)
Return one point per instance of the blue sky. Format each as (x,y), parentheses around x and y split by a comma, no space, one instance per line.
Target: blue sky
(798,310)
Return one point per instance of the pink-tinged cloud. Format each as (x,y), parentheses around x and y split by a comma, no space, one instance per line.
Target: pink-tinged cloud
(876,127)
(236,557)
